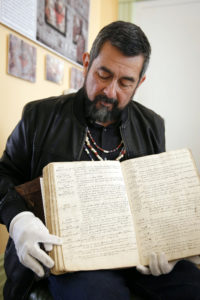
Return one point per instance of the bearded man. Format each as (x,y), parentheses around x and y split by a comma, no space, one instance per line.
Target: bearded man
(102,117)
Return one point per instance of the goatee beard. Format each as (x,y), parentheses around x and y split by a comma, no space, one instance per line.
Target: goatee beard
(102,114)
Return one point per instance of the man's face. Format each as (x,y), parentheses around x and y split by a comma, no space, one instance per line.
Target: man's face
(111,81)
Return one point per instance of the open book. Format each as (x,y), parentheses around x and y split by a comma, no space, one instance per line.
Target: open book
(113,215)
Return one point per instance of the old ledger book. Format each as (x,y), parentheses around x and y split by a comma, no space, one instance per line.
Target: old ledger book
(113,215)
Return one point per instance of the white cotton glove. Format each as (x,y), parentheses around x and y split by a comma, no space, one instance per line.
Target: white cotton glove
(27,232)
(159,265)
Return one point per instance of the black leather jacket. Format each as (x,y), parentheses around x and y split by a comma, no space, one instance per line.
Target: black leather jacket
(50,130)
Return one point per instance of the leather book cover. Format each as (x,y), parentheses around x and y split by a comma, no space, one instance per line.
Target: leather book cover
(31,192)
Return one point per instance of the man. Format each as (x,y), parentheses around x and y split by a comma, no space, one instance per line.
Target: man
(98,122)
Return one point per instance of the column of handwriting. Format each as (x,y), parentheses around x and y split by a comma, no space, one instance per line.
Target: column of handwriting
(165,194)
(96,218)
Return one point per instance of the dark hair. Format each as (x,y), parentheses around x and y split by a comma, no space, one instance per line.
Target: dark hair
(127,37)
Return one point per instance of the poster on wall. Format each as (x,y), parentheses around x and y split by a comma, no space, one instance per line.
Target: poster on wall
(21,59)
(63,26)
(21,15)
(59,25)
(54,69)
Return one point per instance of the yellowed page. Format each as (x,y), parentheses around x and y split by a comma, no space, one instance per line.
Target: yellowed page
(95,220)
(51,216)
(164,191)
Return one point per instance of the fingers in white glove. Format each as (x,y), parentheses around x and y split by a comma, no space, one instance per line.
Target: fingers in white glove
(48,247)
(52,240)
(158,265)
(41,256)
(165,266)
(143,270)
(28,232)
(154,264)
(31,263)
(30,258)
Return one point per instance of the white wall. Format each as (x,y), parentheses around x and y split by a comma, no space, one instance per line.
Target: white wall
(172,87)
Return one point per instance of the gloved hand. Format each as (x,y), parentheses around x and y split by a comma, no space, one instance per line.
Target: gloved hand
(27,232)
(159,265)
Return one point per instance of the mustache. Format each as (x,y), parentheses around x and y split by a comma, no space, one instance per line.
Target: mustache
(105,99)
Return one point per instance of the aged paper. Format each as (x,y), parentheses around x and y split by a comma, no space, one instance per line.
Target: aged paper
(94,216)
(164,194)
(107,212)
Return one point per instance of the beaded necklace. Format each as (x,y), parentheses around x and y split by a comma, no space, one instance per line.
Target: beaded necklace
(101,149)
(88,147)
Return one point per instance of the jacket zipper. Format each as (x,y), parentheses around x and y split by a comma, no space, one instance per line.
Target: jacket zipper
(82,144)
(121,128)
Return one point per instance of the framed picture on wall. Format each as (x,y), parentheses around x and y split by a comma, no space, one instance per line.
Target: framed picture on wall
(55,15)
(62,25)
(54,69)
(21,59)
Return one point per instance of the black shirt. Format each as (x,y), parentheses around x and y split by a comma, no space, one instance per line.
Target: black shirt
(107,138)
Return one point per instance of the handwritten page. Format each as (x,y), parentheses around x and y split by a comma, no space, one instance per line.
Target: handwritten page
(95,218)
(164,192)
